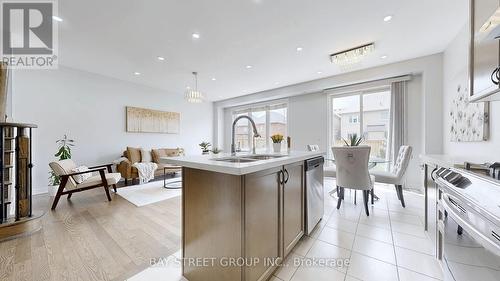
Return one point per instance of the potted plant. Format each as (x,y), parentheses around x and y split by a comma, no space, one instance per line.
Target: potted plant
(353,140)
(63,152)
(277,139)
(205,147)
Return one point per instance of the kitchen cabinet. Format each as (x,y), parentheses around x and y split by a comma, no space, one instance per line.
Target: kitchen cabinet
(293,205)
(262,227)
(254,219)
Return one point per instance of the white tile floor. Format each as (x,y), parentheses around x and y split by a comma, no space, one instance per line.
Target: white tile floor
(390,244)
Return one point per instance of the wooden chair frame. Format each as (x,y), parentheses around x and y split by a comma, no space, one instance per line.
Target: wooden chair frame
(104,183)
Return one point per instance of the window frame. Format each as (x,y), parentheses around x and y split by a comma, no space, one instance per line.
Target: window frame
(267,106)
(356,92)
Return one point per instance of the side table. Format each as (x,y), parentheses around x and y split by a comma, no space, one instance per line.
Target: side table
(176,184)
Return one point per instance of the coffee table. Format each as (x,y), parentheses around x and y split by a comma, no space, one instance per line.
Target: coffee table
(176,184)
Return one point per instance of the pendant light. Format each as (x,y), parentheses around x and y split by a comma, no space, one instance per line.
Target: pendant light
(193,95)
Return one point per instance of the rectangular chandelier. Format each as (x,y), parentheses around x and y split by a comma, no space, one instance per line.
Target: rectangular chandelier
(352,56)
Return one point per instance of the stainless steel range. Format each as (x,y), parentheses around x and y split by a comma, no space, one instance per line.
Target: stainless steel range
(468,225)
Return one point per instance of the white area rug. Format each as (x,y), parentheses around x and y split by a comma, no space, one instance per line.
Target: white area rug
(149,193)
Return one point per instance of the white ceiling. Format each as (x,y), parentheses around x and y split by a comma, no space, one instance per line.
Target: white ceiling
(119,37)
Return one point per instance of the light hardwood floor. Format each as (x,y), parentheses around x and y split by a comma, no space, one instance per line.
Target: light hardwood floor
(88,238)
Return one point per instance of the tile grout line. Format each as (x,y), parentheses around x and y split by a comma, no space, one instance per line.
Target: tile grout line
(358,221)
(395,256)
(388,210)
(352,246)
(315,239)
(393,243)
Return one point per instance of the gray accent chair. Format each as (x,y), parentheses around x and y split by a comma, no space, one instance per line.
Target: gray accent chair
(398,172)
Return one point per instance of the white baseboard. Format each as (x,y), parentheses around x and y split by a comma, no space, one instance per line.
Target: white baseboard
(41,190)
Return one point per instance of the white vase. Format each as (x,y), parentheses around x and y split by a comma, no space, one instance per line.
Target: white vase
(277,147)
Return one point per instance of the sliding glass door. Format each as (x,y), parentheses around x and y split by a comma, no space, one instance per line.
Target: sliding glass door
(365,114)
(346,118)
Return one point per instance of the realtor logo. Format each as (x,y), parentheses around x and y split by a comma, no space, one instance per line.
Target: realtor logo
(29,34)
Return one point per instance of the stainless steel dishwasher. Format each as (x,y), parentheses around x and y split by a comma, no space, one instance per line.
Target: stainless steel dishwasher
(314,192)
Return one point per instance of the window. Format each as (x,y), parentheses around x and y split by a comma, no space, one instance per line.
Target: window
(241,132)
(269,119)
(366,114)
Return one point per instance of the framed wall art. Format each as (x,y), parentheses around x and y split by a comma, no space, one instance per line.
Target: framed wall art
(142,120)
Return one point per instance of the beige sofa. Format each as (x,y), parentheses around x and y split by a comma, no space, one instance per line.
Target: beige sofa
(134,155)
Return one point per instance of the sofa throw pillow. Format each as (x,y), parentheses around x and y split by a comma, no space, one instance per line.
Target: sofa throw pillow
(146,156)
(134,154)
(172,152)
(81,177)
(157,154)
(165,152)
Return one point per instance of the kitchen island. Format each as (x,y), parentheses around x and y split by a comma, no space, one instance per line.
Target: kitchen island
(241,215)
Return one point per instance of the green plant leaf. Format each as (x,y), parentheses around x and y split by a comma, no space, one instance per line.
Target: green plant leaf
(345,142)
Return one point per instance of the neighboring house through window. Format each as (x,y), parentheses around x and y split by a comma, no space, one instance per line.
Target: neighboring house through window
(270,119)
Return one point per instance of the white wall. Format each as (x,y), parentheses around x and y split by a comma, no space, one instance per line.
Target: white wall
(307,120)
(308,107)
(90,108)
(455,68)
(9,97)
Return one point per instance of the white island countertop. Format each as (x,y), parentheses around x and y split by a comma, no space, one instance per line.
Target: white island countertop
(209,162)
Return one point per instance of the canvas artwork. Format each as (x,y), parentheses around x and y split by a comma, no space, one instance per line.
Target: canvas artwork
(142,120)
(469,121)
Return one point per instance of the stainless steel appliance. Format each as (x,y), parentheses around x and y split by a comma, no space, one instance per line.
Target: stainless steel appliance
(468,225)
(314,192)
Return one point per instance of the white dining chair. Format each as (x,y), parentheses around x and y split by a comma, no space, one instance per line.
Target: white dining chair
(398,172)
(352,171)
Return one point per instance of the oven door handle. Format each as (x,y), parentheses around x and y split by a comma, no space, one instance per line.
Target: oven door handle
(487,242)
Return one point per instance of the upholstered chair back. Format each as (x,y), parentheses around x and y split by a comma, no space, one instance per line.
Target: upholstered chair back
(402,161)
(352,167)
(64,167)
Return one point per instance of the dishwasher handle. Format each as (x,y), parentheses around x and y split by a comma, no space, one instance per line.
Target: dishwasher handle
(314,163)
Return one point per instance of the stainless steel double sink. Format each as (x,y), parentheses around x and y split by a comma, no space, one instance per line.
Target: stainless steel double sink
(248,158)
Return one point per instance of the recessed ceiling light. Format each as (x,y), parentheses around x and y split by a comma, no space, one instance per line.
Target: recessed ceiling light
(248,66)
(319,72)
(213,79)
(299,49)
(276,83)
(137,73)
(56,18)
(387,18)
(160,58)
(196,36)
(383,57)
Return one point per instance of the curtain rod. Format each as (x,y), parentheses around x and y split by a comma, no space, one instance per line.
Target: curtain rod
(393,79)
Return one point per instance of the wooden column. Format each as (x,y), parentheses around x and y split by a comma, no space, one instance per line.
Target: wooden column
(22,171)
(15,172)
